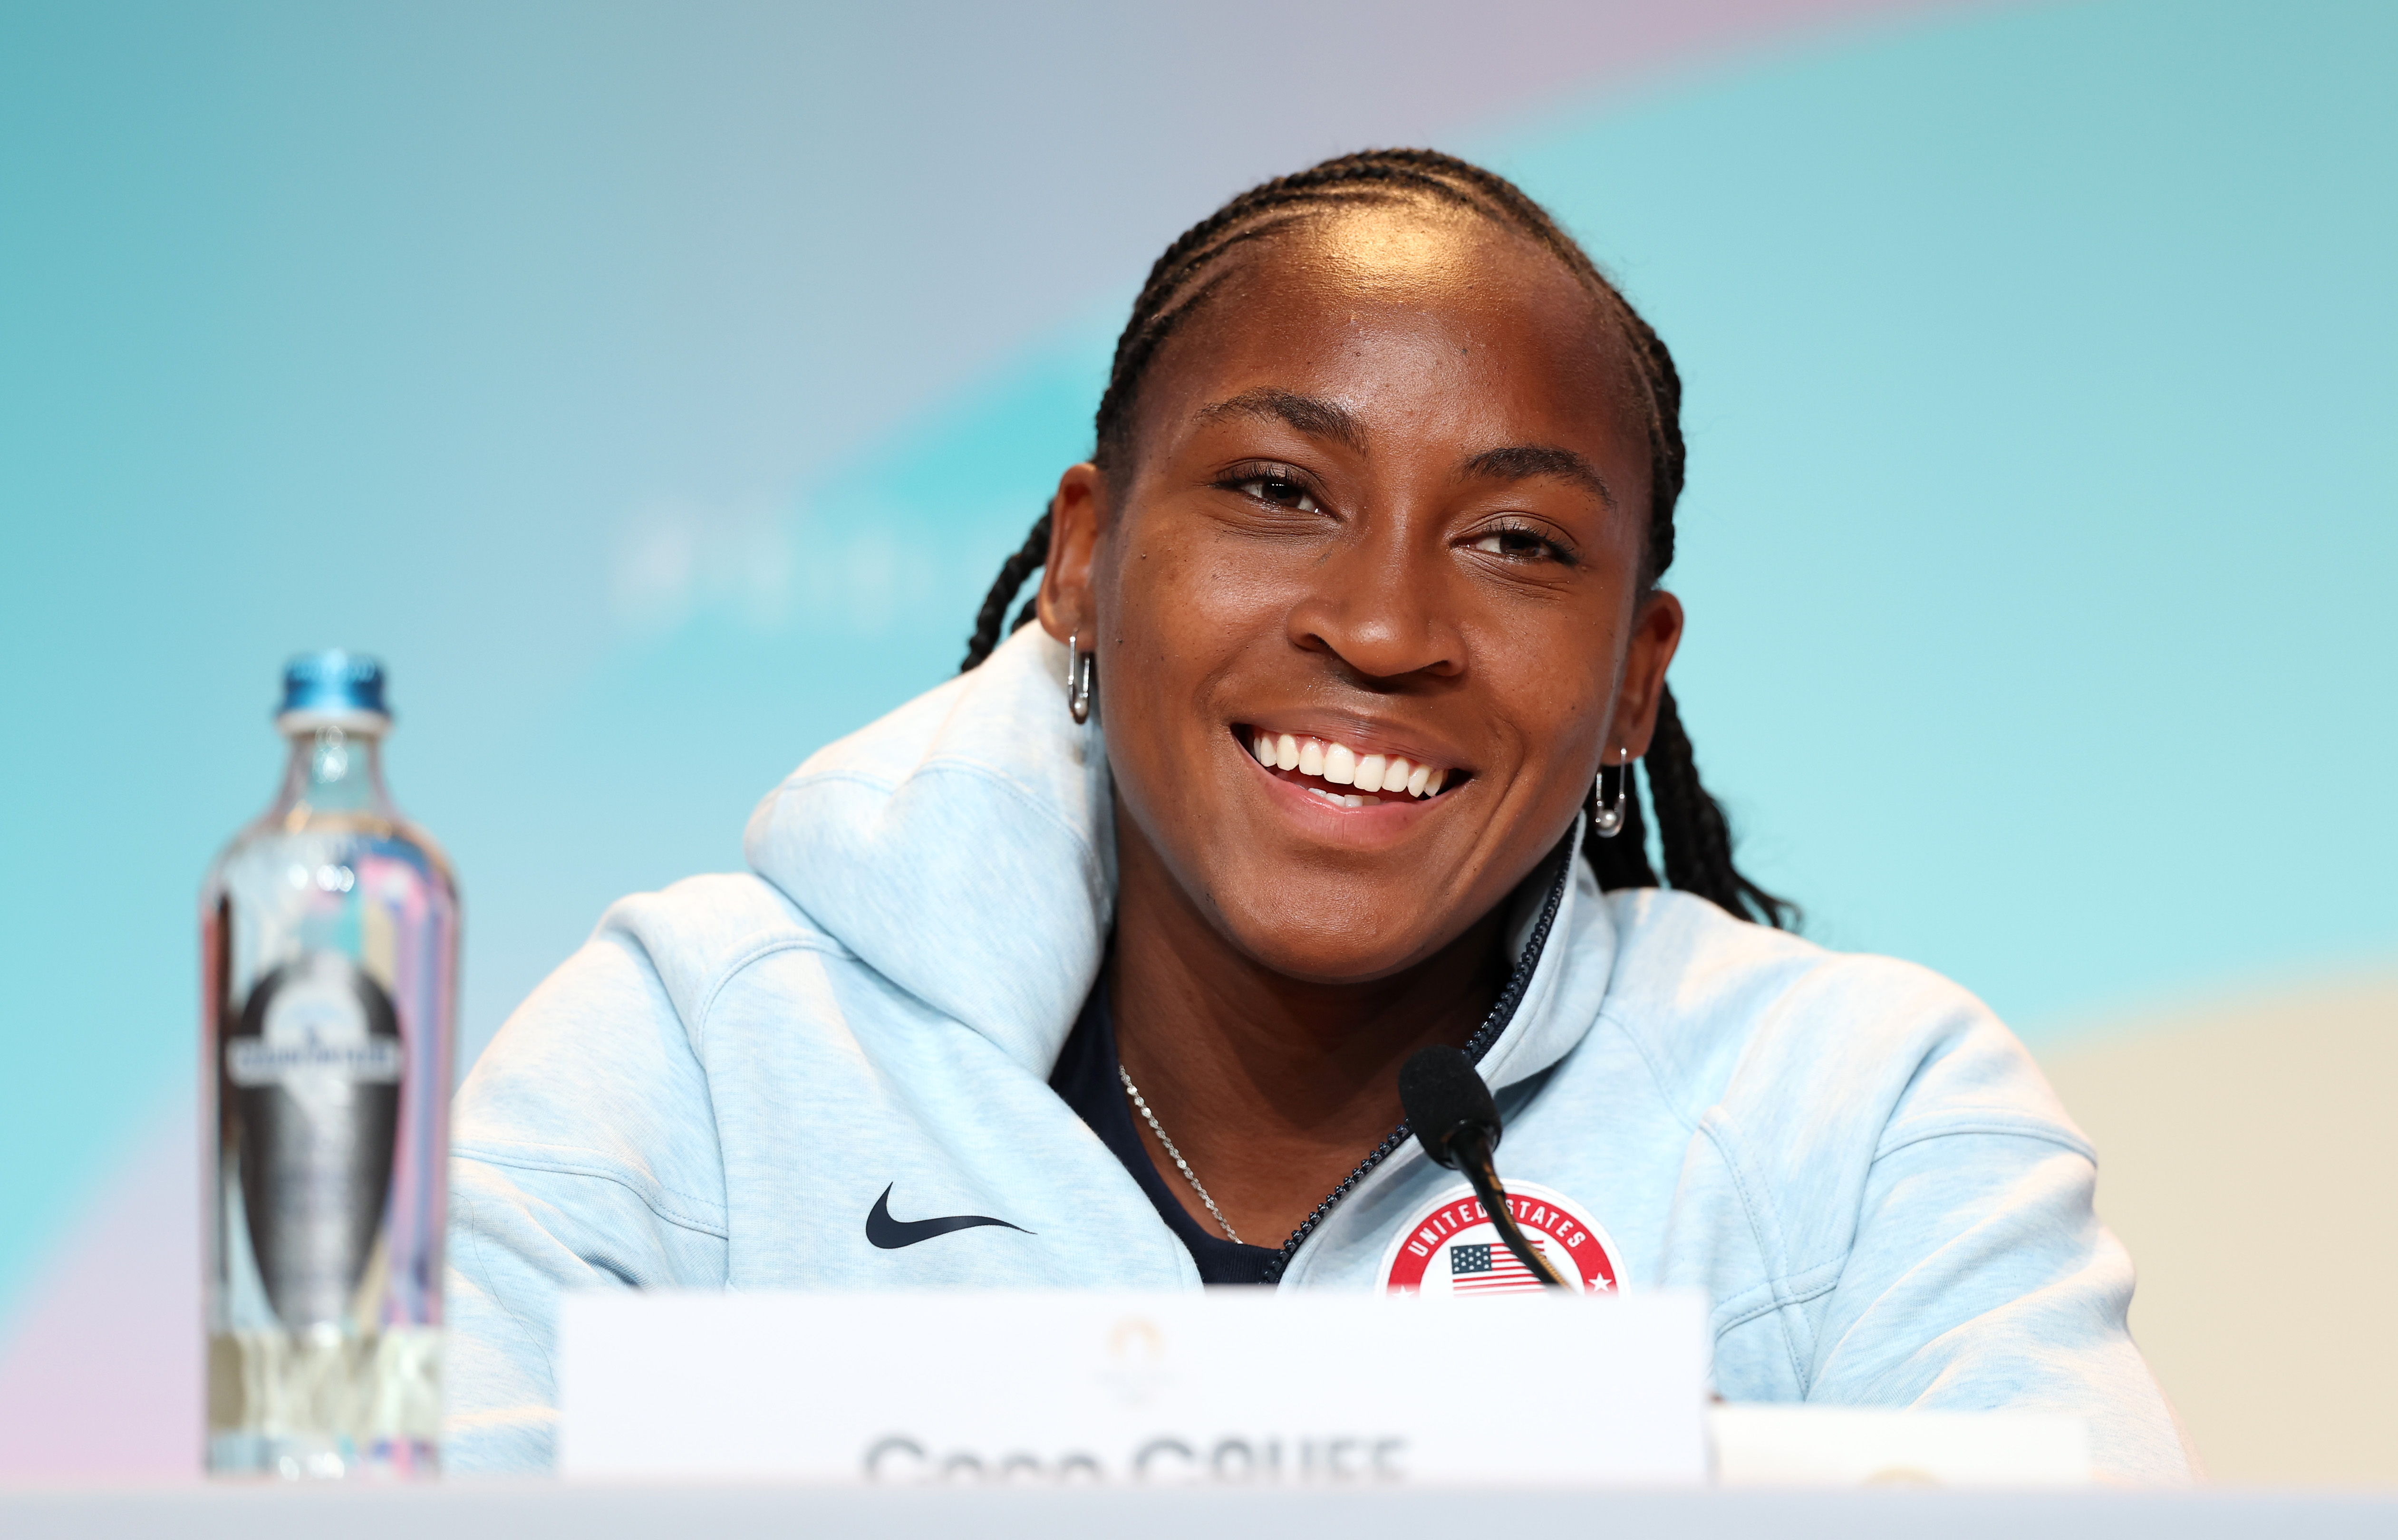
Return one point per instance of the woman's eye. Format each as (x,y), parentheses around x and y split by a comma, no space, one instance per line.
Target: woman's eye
(1519,545)
(1282,494)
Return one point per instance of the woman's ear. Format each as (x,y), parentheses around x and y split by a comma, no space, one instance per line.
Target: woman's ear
(1656,631)
(1075,515)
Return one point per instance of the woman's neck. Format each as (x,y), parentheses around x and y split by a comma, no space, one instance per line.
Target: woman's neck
(1272,1088)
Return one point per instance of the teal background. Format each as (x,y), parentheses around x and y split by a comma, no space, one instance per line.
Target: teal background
(2039,518)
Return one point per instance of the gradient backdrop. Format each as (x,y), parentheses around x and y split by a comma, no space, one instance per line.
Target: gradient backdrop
(656,388)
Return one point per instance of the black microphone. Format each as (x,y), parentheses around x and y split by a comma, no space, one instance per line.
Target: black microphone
(1457,1122)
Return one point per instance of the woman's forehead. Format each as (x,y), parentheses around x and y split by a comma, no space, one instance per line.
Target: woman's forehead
(1401,247)
(1386,302)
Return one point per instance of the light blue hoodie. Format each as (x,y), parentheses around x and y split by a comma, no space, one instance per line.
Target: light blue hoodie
(1859,1166)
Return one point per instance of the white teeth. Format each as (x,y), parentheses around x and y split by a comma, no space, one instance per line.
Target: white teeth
(1331,797)
(1343,766)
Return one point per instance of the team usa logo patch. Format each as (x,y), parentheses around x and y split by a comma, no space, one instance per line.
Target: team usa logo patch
(1452,1248)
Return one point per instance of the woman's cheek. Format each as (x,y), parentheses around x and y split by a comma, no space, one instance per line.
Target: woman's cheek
(1556,711)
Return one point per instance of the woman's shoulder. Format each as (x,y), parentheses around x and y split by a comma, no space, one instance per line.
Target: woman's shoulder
(598,1073)
(635,996)
(1758,1024)
(694,933)
(1683,955)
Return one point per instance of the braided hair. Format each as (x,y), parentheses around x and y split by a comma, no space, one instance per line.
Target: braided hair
(1693,835)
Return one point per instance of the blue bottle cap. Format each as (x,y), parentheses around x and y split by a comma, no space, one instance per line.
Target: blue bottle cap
(335,683)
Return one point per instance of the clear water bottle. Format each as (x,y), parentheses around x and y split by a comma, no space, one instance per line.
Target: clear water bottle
(328,936)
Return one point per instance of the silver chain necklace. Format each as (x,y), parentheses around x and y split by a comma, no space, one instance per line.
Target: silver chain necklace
(1179,1164)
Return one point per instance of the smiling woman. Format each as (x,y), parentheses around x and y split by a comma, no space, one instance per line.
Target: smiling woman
(1107,953)
(1400,505)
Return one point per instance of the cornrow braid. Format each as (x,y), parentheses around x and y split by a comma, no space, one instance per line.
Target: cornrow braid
(1029,558)
(1692,833)
(1693,836)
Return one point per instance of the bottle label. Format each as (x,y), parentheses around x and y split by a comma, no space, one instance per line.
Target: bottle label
(375,1061)
(315,1067)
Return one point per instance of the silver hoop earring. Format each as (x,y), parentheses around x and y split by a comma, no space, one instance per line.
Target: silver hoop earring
(1082,678)
(1608,821)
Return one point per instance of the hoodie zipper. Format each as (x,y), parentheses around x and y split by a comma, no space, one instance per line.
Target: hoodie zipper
(1502,1012)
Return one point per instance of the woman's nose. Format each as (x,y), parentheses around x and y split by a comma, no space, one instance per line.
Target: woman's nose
(1375,602)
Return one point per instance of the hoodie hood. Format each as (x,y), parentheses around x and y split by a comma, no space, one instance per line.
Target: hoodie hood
(962,846)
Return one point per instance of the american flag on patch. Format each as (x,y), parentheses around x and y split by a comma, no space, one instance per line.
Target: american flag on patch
(1490,1269)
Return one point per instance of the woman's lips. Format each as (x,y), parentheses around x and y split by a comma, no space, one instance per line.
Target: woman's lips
(1362,780)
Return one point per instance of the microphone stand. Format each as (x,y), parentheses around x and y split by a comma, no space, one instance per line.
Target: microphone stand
(1470,1148)
(1456,1119)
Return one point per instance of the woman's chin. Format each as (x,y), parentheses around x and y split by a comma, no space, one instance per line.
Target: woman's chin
(1331,944)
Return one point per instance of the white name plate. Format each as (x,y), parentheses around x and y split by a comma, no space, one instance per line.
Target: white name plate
(1231,1386)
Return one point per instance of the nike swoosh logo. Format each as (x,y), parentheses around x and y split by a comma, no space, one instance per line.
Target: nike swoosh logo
(890,1234)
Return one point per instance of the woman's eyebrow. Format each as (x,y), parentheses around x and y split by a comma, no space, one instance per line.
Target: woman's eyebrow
(1311,415)
(1522,461)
